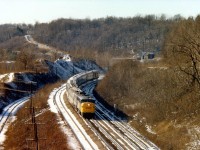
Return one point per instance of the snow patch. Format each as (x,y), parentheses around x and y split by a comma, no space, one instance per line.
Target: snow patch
(3,132)
(149,129)
(50,102)
(194,133)
(11,118)
(7,77)
(10,77)
(25,78)
(14,86)
(2,76)
(72,141)
(66,58)
(163,68)
(7,62)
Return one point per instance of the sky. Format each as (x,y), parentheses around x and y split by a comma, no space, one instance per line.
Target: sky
(31,11)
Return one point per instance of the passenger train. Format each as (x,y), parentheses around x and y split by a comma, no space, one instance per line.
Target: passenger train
(83,103)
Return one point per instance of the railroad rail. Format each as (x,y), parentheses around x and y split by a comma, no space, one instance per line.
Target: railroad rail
(114,125)
(10,110)
(113,132)
(78,130)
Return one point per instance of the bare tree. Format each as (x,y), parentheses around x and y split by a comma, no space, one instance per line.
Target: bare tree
(26,58)
(184,49)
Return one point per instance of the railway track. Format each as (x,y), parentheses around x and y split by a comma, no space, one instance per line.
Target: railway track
(78,130)
(113,132)
(115,126)
(9,111)
(107,139)
(100,135)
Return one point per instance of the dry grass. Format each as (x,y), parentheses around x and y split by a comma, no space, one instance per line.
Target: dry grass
(19,131)
(161,96)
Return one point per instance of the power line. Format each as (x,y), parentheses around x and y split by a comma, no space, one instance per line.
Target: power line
(33,122)
(22,91)
(32,112)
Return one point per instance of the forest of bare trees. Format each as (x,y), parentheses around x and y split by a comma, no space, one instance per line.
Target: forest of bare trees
(117,35)
(163,94)
(98,39)
(8,31)
(182,48)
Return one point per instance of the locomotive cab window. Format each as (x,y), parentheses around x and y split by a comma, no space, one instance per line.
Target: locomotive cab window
(87,100)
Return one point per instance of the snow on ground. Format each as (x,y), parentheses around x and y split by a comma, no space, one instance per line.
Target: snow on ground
(7,62)
(66,58)
(40,45)
(101,76)
(10,77)
(50,101)
(72,141)
(79,133)
(3,132)
(2,76)
(7,77)
(25,78)
(60,71)
(163,68)
(13,85)
(68,66)
(11,118)
(194,132)
(149,129)
(64,69)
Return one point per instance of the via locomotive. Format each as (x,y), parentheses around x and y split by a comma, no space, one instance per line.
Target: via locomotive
(83,103)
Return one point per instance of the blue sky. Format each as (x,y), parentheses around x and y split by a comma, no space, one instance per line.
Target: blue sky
(30,11)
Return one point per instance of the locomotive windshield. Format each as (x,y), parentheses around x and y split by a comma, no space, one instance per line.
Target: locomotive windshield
(87,100)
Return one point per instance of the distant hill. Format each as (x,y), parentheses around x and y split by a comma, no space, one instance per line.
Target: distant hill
(7,31)
(117,35)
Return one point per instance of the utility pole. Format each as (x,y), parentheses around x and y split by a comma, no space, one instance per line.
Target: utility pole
(34,123)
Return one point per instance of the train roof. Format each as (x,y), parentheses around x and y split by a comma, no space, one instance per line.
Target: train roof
(83,73)
(83,95)
(72,80)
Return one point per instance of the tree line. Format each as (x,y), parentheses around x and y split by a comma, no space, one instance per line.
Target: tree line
(162,94)
(117,35)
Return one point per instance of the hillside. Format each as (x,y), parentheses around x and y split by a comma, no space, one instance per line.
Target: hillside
(156,99)
(8,31)
(116,35)
(161,98)
(14,85)
(97,39)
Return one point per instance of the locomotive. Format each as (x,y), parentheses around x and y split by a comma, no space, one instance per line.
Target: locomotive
(83,103)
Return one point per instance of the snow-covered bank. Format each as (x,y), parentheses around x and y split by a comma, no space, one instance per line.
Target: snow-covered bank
(72,141)
(61,69)
(17,85)
(8,116)
(6,77)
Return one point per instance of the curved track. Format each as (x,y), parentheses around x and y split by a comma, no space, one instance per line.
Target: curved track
(113,132)
(78,130)
(9,111)
(120,130)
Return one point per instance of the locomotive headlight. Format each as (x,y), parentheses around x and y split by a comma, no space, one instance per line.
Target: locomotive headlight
(88,104)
